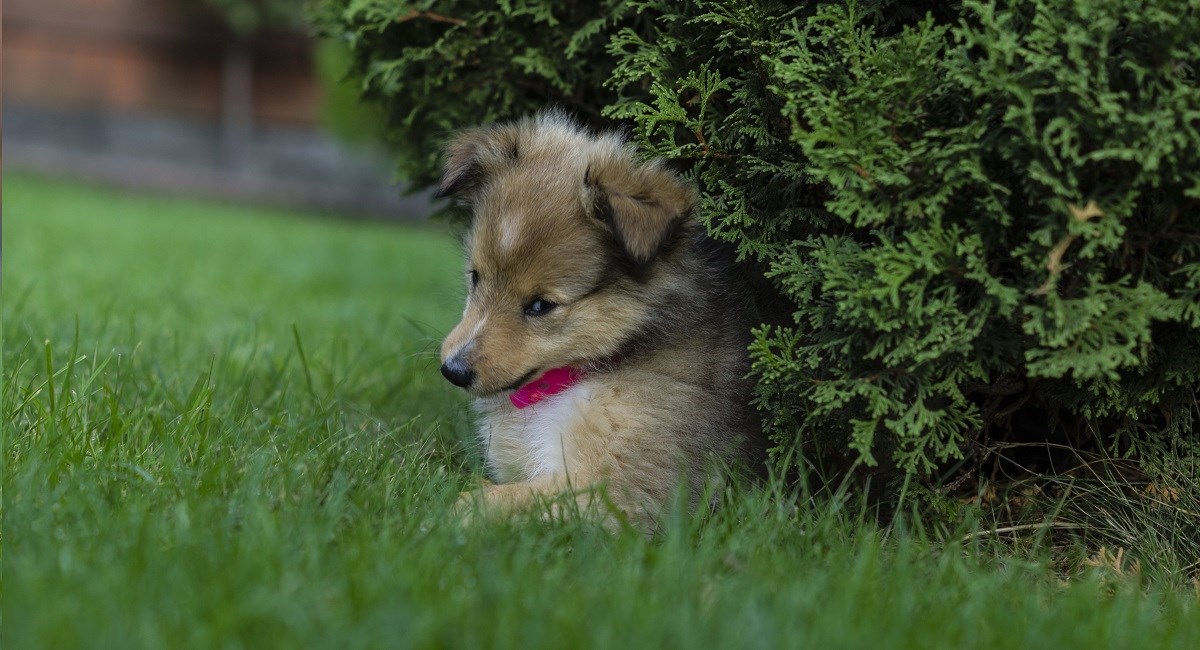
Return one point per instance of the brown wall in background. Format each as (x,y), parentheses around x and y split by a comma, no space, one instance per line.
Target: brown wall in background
(159,95)
(147,56)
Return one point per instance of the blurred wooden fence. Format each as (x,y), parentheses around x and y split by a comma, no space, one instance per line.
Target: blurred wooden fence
(159,93)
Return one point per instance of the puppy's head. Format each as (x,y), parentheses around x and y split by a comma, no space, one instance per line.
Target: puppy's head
(568,233)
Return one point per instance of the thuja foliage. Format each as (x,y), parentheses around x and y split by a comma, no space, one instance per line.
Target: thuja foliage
(1023,194)
(986,215)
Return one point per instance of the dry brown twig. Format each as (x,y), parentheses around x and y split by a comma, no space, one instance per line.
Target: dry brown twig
(1054,525)
(1054,258)
(1115,562)
(413,14)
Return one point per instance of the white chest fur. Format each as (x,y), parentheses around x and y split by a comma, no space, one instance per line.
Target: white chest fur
(522,444)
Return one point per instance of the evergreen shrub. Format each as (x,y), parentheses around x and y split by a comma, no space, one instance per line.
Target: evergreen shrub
(986,215)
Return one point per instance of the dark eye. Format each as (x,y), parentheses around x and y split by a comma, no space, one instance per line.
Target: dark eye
(473,276)
(539,307)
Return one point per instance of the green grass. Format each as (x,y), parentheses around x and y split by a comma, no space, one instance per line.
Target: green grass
(177,474)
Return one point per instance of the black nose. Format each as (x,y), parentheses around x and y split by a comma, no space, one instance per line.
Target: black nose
(457,372)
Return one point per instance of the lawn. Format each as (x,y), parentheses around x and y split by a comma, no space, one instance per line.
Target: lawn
(224,427)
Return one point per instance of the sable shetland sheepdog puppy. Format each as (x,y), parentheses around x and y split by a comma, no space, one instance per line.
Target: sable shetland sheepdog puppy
(604,336)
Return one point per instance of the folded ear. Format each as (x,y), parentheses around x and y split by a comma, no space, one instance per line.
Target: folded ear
(473,155)
(643,205)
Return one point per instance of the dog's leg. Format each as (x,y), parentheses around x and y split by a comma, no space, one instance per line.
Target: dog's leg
(551,492)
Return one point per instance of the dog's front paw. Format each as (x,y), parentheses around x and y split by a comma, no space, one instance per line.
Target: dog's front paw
(469,507)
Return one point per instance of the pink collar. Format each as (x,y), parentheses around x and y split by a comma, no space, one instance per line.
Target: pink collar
(552,383)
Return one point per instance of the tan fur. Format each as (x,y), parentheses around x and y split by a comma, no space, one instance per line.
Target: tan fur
(566,216)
